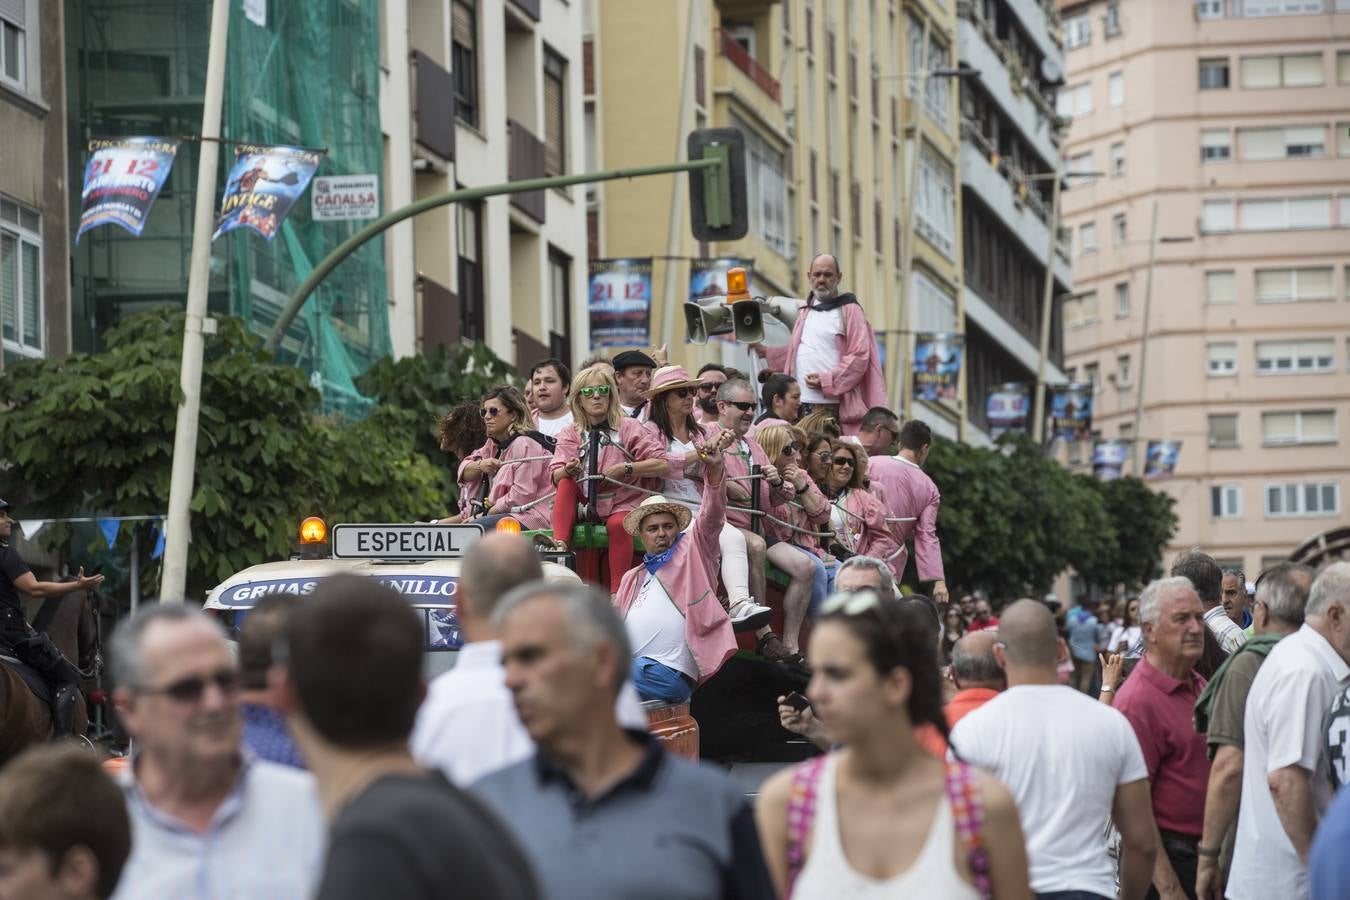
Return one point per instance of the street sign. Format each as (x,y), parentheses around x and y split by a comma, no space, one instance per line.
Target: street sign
(401,541)
(718,206)
(339,198)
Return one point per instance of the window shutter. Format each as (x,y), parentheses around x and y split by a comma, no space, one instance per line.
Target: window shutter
(554,155)
(32,296)
(461,25)
(1314,284)
(1273,285)
(1261,71)
(1310,212)
(1262,143)
(9,283)
(13,10)
(1303,70)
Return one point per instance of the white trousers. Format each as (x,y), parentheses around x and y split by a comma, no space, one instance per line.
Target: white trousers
(735,564)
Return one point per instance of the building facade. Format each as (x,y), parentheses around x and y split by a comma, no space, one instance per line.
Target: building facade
(1227,120)
(34,237)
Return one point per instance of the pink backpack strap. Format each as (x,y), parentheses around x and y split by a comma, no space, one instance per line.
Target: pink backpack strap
(964,795)
(801,812)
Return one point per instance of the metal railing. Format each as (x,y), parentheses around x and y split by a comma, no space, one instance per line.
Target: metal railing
(739,57)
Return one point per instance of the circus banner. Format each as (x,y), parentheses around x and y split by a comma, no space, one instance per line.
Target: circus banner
(263,185)
(122,179)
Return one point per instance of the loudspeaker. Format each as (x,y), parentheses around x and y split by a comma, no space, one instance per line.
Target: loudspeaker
(747,321)
(703,320)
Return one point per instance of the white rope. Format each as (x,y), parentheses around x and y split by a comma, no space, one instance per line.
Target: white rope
(523,507)
(899,519)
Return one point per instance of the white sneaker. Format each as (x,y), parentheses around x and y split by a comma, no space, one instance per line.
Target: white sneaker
(747,615)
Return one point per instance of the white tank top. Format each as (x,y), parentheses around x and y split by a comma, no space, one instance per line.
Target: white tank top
(828,876)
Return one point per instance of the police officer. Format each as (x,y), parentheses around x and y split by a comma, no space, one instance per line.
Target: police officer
(29,645)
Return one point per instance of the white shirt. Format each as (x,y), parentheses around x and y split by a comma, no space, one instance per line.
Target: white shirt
(267,839)
(1283,727)
(1225,630)
(553,427)
(1128,634)
(656,628)
(819,350)
(684,491)
(467,726)
(1062,755)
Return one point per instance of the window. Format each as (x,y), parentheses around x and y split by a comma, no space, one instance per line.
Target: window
(766,187)
(1124,372)
(1222,359)
(1223,430)
(555,114)
(1209,9)
(1216,216)
(914,46)
(13,64)
(1300,142)
(1225,501)
(936,210)
(1293,70)
(937,93)
(1284,213)
(20,278)
(560,304)
(1119,229)
(1213,74)
(1118,159)
(1280,7)
(1303,498)
(1074,100)
(1080,310)
(1111,20)
(1115,89)
(1077,31)
(1123,298)
(1087,238)
(1079,162)
(1288,357)
(1343,66)
(1343,138)
(1216,145)
(1293,285)
(1219,286)
(1092,373)
(470,270)
(464,61)
(935,308)
(1298,427)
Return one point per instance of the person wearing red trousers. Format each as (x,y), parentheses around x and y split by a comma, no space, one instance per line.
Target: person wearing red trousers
(606,456)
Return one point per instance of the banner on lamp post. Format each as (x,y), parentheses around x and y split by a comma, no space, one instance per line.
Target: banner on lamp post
(1160,459)
(1071,411)
(1006,409)
(620,302)
(937,365)
(1108,459)
(263,185)
(122,179)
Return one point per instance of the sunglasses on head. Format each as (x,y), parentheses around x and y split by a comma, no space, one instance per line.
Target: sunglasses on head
(743,406)
(190,690)
(851,603)
(490,411)
(842,460)
(597,390)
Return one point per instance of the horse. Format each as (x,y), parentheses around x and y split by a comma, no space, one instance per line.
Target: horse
(26,718)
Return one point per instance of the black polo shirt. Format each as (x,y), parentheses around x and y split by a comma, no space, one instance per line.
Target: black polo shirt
(12,567)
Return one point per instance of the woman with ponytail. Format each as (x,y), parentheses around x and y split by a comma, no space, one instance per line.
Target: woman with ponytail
(881,817)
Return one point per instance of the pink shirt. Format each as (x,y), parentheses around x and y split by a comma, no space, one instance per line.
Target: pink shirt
(633,443)
(794,511)
(865,519)
(907,492)
(739,457)
(524,478)
(857,382)
(468,490)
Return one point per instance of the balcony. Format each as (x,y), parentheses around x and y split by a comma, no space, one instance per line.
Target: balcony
(1001,77)
(739,57)
(525,160)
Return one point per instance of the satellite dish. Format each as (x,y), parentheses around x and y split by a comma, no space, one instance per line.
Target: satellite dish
(1051,73)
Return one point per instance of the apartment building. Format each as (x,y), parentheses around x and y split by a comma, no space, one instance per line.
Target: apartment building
(492,93)
(34,238)
(838,117)
(1227,118)
(1010,154)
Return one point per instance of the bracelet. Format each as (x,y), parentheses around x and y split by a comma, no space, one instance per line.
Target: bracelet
(1107,690)
(1212,852)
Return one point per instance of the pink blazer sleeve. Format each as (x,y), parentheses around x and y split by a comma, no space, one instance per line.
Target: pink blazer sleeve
(521,482)
(712,515)
(645,444)
(859,345)
(823,512)
(482,452)
(927,550)
(568,449)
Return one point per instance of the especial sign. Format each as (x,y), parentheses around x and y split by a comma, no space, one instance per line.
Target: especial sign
(400,541)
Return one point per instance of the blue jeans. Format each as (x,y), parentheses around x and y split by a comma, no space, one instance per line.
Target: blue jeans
(658,681)
(822,582)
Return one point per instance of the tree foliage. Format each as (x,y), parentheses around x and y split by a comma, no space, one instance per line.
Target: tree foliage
(95,433)
(1011,520)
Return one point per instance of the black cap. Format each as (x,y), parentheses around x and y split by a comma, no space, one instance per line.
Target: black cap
(633,358)
(4,504)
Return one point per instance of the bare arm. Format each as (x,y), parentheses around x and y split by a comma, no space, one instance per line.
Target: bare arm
(1132,811)
(1221,807)
(1164,876)
(1004,842)
(1291,789)
(804,723)
(43,589)
(771,818)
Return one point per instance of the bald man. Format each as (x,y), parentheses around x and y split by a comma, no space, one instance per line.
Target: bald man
(467,726)
(977,674)
(1069,761)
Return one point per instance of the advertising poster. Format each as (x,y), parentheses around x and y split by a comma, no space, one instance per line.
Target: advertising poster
(1007,408)
(1108,459)
(708,278)
(1160,459)
(343,198)
(122,179)
(1071,411)
(263,185)
(620,302)
(937,365)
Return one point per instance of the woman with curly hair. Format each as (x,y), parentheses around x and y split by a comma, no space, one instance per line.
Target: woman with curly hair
(462,434)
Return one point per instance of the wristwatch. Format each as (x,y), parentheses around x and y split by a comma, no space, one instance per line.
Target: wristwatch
(628,468)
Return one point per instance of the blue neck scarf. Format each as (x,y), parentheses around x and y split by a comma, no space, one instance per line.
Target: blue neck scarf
(654,561)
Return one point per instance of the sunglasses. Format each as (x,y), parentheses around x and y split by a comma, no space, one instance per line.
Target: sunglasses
(742,406)
(791,448)
(490,412)
(708,387)
(599,390)
(842,460)
(190,690)
(823,456)
(851,603)
(682,393)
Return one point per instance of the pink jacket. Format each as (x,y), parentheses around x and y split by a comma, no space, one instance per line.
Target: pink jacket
(690,578)
(468,490)
(868,532)
(908,492)
(857,381)
(795,512)
(739,457)
(518,483)
(634,444)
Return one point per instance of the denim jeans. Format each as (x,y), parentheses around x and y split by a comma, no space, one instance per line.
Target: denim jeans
(658,681)
(822,582)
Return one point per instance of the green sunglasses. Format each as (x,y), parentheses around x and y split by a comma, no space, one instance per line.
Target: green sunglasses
(599,390)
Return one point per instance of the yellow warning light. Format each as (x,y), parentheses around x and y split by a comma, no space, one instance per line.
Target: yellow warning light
(737,286)
(508,525)
(313,531)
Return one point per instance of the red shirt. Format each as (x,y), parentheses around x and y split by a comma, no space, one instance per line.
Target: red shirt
(1159,709)
(966,702)
(988,624)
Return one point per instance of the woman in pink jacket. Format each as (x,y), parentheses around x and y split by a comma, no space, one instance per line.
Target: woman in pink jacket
(857,517)
(517,465)
(603,456)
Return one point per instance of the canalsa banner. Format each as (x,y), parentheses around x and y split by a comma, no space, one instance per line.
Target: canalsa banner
(263,185)
(1108,459)
(708,278)
(1006,409)
(1160,459)
(620,302)
(1071,411)
(937,365)
(122,179)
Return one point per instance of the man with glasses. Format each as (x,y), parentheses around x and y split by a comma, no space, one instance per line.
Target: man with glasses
(206,818)
(710,378)
(833,351)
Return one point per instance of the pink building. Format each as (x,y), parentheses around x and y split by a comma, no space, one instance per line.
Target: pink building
(1232,119)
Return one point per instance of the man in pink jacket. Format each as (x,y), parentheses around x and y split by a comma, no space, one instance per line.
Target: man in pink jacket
(908,493)
(833,352)
(680,634)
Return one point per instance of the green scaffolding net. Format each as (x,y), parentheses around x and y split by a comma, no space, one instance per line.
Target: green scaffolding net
(306,75)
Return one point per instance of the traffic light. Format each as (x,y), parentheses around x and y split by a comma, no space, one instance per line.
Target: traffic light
(718,210)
